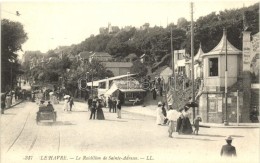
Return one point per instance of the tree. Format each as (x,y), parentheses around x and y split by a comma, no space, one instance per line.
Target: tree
(13,36)
(138,68)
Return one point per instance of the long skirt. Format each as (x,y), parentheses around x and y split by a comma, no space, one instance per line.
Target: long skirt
(186,126)
(179,122)
(100,114)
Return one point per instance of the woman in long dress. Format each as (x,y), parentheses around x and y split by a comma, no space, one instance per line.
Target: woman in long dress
(66,104)
(159,115)
(186,127)
(100,114)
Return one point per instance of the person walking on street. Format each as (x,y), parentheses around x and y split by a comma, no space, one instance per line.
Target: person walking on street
(66,104)
(154,93)
(164,113)
(89,103)
(8,101)
(2,103)
(197,121)
(118,105)
(71,102)
(100,114)
(228,150)
(93,108)
(114,105)
(172,117)
(110,103)
(159,115)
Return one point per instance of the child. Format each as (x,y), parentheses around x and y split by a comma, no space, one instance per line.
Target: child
(197,121)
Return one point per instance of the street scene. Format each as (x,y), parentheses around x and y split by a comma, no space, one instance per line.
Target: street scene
(176,86)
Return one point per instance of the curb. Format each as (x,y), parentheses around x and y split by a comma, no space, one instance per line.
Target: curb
(209,125)
(15,104)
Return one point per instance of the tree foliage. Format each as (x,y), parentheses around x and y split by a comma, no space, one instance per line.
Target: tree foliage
(12,38)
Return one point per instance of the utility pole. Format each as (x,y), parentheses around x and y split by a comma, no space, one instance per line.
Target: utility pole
(226,74)
(173,70)
(192,60)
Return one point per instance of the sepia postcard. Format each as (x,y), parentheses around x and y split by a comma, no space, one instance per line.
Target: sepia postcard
(130,81)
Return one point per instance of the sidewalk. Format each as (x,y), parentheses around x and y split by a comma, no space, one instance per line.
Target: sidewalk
(16,103)
(150,111)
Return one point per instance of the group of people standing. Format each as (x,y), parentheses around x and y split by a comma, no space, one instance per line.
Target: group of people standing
(68,103)
(96,109)
(181,117)
(114,106)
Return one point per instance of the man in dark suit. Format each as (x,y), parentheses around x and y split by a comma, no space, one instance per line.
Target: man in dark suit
(93,108)
(114,105)
(228,150)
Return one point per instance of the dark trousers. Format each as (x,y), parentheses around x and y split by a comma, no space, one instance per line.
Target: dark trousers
(93,113)
(110,107)
(114,109)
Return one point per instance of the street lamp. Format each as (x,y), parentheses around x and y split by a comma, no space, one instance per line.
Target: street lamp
(226,74)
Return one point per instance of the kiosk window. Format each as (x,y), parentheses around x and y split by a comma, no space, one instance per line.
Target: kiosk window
(213,66)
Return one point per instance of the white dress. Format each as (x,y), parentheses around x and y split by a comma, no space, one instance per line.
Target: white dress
(66,105)
(159,116)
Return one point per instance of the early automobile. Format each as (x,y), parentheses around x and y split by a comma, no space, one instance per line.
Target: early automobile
(46,113)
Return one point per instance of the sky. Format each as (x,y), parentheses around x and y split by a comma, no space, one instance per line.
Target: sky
(50,24)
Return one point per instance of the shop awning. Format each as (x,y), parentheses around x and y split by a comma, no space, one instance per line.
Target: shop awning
(112,89)
(132,90)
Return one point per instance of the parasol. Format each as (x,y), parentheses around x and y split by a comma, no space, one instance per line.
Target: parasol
(66,96)
(173,115)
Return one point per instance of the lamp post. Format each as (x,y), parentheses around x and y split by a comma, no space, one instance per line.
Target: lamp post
(226,74)
(192,60)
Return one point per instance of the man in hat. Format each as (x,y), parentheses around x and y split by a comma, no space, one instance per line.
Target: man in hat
(228,150)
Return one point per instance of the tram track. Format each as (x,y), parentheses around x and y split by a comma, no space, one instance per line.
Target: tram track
(19,133)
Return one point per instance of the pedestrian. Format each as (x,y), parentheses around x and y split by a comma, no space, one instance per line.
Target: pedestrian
(71,102)
(159,80)
(3,103)
(196,123)
(66,104)
(89,103)
(186,127)
(118,106)
(161,90)
(154,93)
(228,150)
(179,121)
(114,105)
(159,115)
(172,116)
(110,103)
(93,108)
(164,113)
(8,101)
(100,114)
(254,115)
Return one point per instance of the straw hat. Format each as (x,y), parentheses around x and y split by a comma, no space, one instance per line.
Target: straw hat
(229,138)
